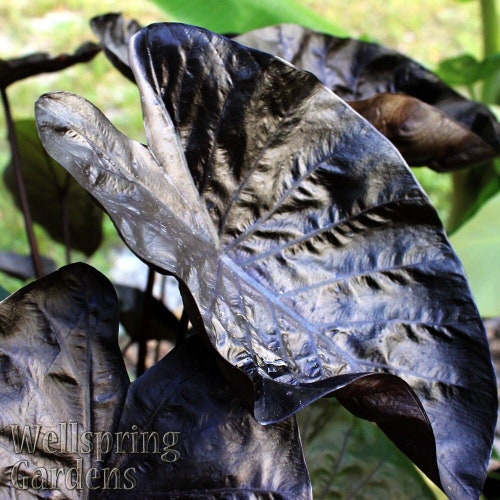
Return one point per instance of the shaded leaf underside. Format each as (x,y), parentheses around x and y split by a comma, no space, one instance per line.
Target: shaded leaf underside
(311,260)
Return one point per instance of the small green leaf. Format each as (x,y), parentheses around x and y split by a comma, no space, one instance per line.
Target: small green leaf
(460,70)
(351,458)
(467,70)
(239,16)
(477,243)
(53,195)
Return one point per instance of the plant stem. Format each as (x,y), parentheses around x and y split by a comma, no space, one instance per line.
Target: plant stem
(491,45)
(145,323)
(469,184)
(66,219)
(489,18)
(23,198)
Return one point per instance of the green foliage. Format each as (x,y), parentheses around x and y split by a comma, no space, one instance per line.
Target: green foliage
(62,207)
(350,458)
(466,70)
(478,245)
(238,16)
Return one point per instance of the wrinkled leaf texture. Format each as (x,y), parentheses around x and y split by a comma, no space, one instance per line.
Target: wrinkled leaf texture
(62,372)
(314,260)
(357,70)
(219,450)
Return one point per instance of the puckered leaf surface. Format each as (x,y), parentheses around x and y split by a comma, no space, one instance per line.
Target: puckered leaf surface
(202,442)
(315,261)
(62,375)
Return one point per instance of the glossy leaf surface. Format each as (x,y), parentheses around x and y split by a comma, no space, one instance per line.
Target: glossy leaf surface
(309,250)
(57,201)
(350,458)
(357,70)
(62,375)
(210,446)
(114,34)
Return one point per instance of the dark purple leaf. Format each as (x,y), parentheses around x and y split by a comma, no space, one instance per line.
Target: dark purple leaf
(21,266)
(164,325)
(314,260)
(62,375)
(203,442)
(114,34)
(357,70)
(13,70)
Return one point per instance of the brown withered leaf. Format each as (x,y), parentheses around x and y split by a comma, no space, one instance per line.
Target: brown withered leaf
(423,134)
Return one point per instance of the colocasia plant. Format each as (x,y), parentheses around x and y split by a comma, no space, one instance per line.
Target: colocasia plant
(310,262)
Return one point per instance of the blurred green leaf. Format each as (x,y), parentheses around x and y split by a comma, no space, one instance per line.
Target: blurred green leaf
(472,188)
(54,196)
(477,243)
(467,70)
(239,16)
(351,458)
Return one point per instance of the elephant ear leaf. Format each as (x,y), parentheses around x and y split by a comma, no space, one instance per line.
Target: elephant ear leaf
(357,70)
(202,442)
(114,33)
(63,378)
(315,262)
(423,134)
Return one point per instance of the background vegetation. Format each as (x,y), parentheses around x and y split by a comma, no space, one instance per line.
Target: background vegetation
(428,30)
